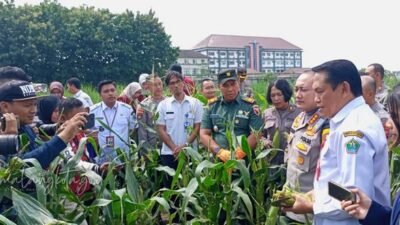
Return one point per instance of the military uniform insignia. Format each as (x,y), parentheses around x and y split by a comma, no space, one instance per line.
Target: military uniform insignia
(301,146)
(305,140)
(296,121)
(249,100)
(310,131)
(352,146)
(313,119)
(300,160)
(354,133)
(212,100)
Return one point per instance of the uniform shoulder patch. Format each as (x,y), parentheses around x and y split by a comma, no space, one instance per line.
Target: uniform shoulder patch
(212,100)
(249,100)
(353,133)
(352,146)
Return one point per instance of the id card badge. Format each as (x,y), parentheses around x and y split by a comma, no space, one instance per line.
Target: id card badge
(110,141)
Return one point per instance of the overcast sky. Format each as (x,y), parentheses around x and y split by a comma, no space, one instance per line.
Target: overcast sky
(363,31)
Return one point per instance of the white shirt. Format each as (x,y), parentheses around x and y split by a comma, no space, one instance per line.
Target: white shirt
(178,117)
(121,119)
(84,98)
(355,155)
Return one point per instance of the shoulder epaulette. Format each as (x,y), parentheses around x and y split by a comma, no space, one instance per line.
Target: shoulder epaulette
(125,105)
(212,100)
(249,100)
(95,106)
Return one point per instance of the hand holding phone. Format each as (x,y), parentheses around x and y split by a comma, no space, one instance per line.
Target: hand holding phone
(90,121)
(340,193)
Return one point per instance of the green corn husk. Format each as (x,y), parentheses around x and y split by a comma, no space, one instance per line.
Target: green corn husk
(285,198)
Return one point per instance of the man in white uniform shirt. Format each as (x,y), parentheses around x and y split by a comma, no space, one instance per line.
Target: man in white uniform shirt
(118,116)
(74,87)
(355,153)
(179,121)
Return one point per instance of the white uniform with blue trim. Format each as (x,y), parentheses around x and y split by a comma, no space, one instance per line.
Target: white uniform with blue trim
(355,155)
(178,117)
(124,121)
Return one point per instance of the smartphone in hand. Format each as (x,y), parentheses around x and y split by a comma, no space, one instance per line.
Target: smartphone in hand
(340,193)
(90,121)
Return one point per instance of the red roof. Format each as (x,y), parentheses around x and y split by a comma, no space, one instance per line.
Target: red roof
(235,41)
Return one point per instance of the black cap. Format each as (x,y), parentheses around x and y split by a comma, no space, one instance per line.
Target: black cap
(225,75)
(176,67)
(242,72)
(16,90)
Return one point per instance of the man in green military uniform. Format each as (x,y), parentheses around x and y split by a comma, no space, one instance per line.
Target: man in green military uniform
(229,110)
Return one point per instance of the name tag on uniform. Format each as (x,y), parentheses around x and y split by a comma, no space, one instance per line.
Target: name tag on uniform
(110,141)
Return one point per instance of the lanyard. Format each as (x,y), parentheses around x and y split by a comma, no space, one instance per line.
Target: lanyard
(113,120)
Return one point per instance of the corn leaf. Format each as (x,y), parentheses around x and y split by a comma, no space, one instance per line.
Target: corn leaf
(30,211)
(6,221)
(245,198)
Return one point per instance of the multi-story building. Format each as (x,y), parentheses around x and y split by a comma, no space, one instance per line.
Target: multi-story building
(260,54)
(193,63)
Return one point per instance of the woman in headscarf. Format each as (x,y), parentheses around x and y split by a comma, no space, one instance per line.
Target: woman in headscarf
(131,95)
(57,89)
(48,109)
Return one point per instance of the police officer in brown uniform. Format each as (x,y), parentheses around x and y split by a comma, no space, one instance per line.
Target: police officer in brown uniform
(279,117)
(307,135)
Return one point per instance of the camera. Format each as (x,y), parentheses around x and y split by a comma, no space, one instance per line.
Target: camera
(47,129)
(8,144)
(3,123)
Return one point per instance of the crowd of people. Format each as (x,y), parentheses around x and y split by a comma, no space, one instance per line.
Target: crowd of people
(338,129)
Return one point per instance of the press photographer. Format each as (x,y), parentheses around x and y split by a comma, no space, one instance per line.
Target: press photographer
(19,98)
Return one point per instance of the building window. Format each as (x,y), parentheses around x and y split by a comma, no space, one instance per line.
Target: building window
(211,53)
(203,61)
(222,54)
(186,61)
(289,63)
(298,63)
(241,54)
(223,63)
(278,62)
(232,54)
(298,55)
(264,55)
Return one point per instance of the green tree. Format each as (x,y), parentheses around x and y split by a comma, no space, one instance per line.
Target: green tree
(52,42)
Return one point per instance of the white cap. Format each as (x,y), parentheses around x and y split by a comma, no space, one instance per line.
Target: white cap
(142,78)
